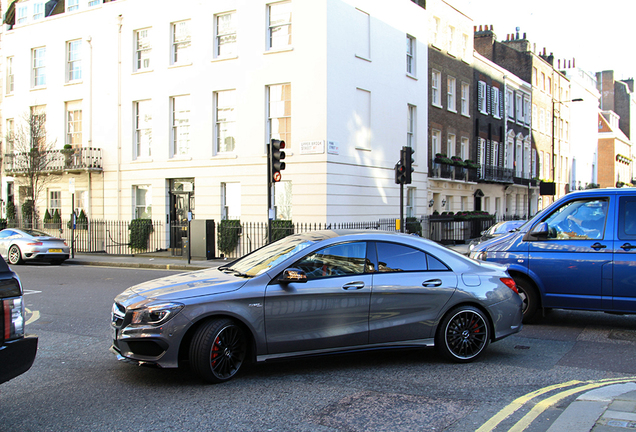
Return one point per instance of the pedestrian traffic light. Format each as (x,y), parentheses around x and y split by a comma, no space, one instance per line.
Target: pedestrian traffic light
(276,156)
(406,160)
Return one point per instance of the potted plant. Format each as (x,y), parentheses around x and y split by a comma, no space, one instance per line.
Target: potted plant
(68,152)
(457,161)
(441,158)
(471,164)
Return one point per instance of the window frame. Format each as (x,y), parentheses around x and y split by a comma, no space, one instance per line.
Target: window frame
(140,152)
(451,94)
(10,76)
(411,125)
(180,147)
(73,123)
(436,91)
(410,55)
(179,47)
(219,36)
(227,124)
(272,28)
(465,98)
(287,114)
(142,52)
(73,59)
(146,206)
(38,67)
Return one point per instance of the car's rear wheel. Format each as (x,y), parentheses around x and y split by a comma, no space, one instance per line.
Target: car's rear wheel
(15,255)
(218,350)
(463,334)
(530,298)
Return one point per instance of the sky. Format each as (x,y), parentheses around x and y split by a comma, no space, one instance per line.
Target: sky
(600,35)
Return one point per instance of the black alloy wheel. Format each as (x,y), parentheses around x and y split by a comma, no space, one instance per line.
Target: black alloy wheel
(218,350)
(463,334)
(530,298)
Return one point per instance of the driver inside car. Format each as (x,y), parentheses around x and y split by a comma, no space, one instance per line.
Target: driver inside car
(589,220)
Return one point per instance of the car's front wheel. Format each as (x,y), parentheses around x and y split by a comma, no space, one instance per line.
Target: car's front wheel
(463,334)
(15,255)
(218,350)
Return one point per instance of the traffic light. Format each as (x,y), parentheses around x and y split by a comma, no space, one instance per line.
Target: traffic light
(400,173)
(406,160)
(276,155)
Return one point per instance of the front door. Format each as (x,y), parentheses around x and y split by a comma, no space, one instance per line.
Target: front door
(330,310)
(574,262)
(181,198)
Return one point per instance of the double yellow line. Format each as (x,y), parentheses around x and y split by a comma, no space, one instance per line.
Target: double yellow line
(544,404)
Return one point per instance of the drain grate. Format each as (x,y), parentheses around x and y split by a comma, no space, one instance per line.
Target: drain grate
(625,335)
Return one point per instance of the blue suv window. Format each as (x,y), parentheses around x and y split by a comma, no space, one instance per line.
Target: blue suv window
(627,218)
(578,220)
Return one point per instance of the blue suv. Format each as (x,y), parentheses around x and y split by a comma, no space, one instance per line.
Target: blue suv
(579,253)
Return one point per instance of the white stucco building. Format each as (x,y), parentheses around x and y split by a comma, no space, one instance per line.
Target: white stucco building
(179,100)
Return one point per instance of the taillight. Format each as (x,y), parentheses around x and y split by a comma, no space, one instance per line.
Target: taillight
(510,282)
(35,244)
(12,318)
(11,310)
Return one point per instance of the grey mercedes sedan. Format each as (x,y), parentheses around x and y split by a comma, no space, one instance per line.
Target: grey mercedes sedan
(317,293)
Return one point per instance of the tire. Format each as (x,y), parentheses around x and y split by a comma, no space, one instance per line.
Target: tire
(15,255)
(218,350)
(530,297)
(463,334)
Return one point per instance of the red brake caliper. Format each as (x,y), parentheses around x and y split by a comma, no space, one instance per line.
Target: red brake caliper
(215,351)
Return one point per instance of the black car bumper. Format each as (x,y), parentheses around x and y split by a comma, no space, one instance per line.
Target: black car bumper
(16,357)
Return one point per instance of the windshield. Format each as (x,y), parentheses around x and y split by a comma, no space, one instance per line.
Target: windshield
(269,256)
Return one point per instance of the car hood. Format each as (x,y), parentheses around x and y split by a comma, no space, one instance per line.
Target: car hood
(183,286)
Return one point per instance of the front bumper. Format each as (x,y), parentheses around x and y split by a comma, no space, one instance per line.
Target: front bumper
(17,356)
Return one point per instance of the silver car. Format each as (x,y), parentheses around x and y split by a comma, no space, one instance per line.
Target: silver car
(19,245)
(316,293)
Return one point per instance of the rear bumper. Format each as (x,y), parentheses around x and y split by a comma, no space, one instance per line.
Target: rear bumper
(16,357)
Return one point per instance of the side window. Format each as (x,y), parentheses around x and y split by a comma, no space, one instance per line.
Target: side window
(578,220)
(434,264)
(338,260)
(627,218)
(6,233)
(394,257)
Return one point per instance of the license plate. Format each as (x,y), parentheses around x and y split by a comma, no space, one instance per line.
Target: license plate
(55,250)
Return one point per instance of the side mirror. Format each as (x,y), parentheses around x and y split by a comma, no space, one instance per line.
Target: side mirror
(541,230)
(291,275)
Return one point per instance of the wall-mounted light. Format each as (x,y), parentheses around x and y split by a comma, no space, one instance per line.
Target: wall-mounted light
(431,203)
(443,203)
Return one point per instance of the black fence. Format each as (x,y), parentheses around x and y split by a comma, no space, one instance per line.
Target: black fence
(233,240)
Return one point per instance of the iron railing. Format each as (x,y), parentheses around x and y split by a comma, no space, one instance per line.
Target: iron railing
(131,238)
(55,161)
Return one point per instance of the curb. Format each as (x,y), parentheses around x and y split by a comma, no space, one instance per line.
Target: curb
(138,265)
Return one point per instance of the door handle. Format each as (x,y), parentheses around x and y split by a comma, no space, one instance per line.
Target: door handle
(353,285)
(597,246)
(628,246)
(432,283)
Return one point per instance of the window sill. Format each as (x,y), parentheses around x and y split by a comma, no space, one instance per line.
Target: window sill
(452,110)
(143,71)
(363,58)
(71,83)
(220,59)
(140,160)
(9,95)
(38,88)
(413,77)
(279,50)
(225,156)
(179,65)
(181,158)
(466,115)
(437,105)
(363,148)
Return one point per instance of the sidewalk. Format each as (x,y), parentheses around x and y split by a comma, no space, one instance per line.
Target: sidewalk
(607,409)
(158,260)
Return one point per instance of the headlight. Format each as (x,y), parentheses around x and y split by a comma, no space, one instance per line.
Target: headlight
(479,255)
(155,313)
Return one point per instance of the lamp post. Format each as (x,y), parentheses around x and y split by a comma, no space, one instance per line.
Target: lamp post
(554,129)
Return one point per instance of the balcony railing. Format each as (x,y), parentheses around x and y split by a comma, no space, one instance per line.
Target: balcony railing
(495,174)
(55,161)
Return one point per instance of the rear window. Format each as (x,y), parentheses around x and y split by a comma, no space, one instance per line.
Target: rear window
(627,218)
